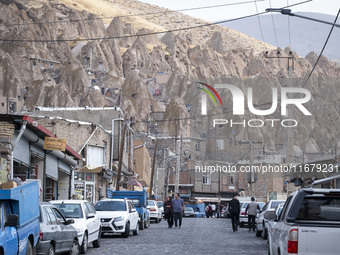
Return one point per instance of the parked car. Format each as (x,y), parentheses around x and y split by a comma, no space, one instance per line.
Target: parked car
(269,217)
(308,224)
(155,212)
(118,216)
(189,212)
(161,207)
(86,221)
(57,235)
(243,215)
(260,222)
(139,200)
(19,219)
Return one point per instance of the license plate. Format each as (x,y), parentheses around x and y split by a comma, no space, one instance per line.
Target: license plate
(187,214)
(106,224)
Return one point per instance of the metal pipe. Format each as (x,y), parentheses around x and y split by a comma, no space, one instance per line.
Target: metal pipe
(112,138)
(326,180)
(22,130)
(94,131)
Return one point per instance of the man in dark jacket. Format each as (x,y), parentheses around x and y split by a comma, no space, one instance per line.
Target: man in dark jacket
(234,209)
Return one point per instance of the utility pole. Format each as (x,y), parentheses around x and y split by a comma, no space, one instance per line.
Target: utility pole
(178,165)
(166,184)
(120,163)
(153,167)
(290,132)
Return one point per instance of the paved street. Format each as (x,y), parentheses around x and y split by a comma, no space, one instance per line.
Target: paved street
(197,236)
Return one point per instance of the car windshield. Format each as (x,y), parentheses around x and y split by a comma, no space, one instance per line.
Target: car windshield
(70,210)
(189,209)
(110,206)
(152,203)
(160,204)
(320,209)
(275,204)
(135,202)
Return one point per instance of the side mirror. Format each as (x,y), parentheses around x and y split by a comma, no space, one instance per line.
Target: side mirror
(269,215)
(12,220)
(133,210)
(90,215)
(68,222)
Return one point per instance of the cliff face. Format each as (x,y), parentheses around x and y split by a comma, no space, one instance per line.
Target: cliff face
(153,73)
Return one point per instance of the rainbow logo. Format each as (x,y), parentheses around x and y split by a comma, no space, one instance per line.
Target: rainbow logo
(209,93)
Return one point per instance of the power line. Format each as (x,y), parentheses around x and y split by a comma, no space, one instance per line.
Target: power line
(323,48)
(272,16)
(129,36)
(131,15)
(289,35)
(140,35)
(258,18)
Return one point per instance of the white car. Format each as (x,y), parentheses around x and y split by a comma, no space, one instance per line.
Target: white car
(155,212)
(86,221)
(308,224)
(260,222)
(161,207)
(243,215)
(118,216)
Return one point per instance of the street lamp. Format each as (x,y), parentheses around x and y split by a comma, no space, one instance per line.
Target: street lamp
(289,12)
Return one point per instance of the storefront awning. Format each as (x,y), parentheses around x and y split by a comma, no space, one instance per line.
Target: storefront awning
(91,169)
(208,199)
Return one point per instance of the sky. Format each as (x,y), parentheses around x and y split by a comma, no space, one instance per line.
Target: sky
(330,7)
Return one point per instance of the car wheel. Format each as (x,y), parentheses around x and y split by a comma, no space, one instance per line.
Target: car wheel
(50,250)
(83,247)
(127,230)
(96,243)
(136,231)
(75,248)
(141,225)
(29,248)
(241,224)
(264,234)
(258,232)
(157,220)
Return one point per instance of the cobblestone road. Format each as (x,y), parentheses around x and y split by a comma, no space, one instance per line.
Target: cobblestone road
(197,236)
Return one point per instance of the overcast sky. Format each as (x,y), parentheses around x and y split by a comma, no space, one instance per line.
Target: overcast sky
(228,12)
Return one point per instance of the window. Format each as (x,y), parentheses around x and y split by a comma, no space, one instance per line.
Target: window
(206,178)
(59,216)
(86,210)
(70,210)
(198,146)
(90,208)
(51,216)
(231,179)
(220,144)
(111,206)
(95,156)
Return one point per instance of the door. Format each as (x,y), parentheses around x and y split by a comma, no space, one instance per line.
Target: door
(93,222)
(67,231)
(9,234)
(53,231)
(133,215)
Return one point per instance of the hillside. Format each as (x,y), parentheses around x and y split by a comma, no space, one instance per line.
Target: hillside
(155,73)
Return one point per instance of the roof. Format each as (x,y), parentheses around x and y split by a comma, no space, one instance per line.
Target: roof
(34,125)
(67,201)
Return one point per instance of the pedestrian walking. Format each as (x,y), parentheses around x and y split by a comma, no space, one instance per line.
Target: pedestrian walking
(234,209)
(168,211)
(213,210)
(252,208)
(178,207)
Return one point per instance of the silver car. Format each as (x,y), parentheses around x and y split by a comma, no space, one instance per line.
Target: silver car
(57,235)
(189,212)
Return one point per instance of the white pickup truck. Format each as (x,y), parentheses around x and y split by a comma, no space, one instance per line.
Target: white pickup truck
(308,224)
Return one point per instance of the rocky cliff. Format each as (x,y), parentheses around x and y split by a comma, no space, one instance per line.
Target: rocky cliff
(121,64)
